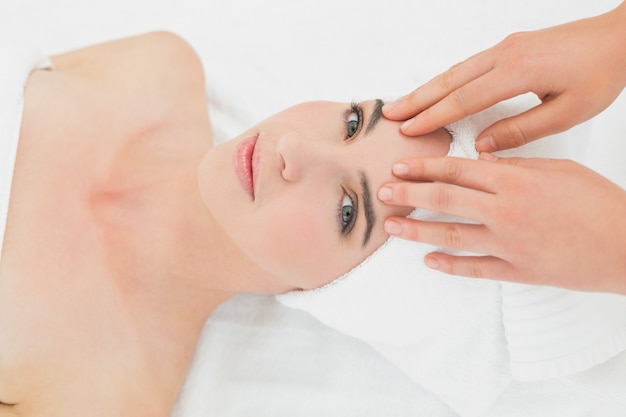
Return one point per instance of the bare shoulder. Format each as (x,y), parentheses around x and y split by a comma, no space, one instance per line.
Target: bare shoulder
(163,51)
(150,79)
(154,64)
(56,327)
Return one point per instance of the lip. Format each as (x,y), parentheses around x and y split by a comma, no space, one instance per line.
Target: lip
(245,161)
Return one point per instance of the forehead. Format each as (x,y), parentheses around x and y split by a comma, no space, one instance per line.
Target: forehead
(310,112)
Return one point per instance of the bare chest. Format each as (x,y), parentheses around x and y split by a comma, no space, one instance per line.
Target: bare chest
(69,341)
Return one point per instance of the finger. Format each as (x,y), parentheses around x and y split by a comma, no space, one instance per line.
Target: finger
(478,175)
(488,267)
(438,87)
(548,118)
(439,197)
(472,97)
(458,236)
(532,163)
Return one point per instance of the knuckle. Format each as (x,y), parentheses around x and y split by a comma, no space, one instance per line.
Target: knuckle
(470,267)
(458,98)
(516,60)
(515,134)
(441,198)
(447,80)
(515,41)
(452,238)
(475,268)
(453,170)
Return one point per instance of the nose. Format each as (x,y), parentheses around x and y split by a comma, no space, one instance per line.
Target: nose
(301,155)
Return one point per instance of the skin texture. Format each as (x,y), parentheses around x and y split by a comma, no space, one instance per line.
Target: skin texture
(542,221)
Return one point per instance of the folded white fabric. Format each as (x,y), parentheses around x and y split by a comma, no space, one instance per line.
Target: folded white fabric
(259,358)
(17,63)
(466,339)
(553,332)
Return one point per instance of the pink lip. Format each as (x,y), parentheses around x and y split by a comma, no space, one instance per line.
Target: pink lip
(245,161)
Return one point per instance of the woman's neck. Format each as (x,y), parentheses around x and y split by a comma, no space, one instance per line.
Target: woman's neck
(164,255)
(161,243)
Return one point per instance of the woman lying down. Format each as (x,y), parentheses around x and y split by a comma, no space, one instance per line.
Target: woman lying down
(126,228)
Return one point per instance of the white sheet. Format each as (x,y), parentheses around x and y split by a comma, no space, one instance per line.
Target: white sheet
(257,358)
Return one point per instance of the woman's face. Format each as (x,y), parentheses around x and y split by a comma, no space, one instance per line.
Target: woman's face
(297,192)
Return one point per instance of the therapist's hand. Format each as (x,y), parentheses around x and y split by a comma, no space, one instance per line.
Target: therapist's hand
(542,221)
(576,69)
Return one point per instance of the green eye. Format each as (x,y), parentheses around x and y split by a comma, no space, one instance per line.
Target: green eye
(347,214)
(352,124)
(353,119)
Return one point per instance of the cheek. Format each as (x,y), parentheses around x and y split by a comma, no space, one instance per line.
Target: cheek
(300,245)
(293,234)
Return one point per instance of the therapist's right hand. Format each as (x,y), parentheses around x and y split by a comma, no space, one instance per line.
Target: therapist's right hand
(576,70)
(538,221)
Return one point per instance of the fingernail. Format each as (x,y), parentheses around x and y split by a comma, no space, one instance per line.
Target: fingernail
(393,227)
(385,193)
(431,262)
(406,125)
(486,156)
(486,144)
(400,168)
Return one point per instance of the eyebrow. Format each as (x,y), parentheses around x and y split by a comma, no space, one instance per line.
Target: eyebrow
(370,216)
(377,113)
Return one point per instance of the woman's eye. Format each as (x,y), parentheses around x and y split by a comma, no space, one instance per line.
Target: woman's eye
(354,119)
(347,214)
(352,124)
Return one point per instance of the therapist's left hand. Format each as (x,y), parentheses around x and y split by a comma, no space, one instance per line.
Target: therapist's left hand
(541,221)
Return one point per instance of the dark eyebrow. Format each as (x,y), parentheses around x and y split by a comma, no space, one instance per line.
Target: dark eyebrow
(370,216)
(377,113)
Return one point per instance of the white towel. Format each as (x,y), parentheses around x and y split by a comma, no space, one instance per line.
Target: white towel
(553,332)
(17,63)
(449,333)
